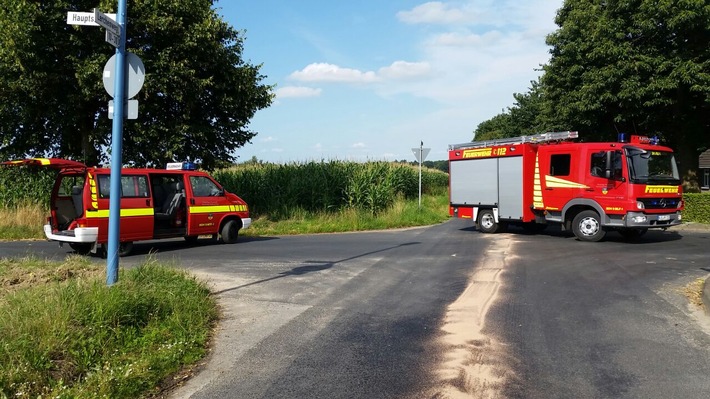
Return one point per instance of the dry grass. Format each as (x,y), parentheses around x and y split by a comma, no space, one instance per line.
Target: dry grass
(694,292)
(23,215)
(22,221)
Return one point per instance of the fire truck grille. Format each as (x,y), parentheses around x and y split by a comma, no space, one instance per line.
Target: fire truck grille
(660,203)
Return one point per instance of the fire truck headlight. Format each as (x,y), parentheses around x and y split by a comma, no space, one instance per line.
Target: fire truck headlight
(640,205)
(639,219)
(680,204)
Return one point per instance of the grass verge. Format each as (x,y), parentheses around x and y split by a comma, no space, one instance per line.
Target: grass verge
(65,334)
(403,213)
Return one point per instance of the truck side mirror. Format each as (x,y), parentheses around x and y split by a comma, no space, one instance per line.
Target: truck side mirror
(608,166)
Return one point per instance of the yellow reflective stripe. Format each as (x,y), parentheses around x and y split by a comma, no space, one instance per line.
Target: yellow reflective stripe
(43,161)
(103,213)
(562,183)
(218,208)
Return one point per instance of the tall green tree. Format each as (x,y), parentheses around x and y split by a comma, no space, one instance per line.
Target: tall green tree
(523,118)
(635,66)
(197,101)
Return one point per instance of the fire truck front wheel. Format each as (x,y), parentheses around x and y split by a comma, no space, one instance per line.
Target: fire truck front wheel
(587,226)
(487,221)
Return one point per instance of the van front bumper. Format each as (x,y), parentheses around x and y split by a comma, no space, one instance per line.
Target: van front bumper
(80,234)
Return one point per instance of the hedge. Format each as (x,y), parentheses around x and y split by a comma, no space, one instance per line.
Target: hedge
(697,207)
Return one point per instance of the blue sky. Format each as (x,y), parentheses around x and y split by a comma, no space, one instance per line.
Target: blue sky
(369,79)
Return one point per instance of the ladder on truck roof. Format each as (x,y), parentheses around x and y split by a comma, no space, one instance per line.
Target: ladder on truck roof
(535,138)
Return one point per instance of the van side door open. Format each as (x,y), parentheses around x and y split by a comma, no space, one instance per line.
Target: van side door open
(136,207)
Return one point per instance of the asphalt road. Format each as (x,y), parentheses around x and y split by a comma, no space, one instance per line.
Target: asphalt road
(447,312)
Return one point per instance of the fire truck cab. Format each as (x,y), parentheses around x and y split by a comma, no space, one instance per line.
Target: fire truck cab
(590,188)
(178,201)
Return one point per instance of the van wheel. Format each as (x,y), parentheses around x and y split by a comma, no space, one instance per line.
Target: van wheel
(487,222)
(587,226)
(125,248)
(82,248)
(230,232)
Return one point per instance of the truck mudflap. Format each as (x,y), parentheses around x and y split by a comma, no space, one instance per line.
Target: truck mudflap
(650,220)
(246,222)
(79,235)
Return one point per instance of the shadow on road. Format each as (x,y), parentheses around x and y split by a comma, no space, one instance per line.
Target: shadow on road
(316,266)
(555,230)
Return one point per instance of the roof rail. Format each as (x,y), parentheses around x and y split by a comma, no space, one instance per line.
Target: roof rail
(535,138)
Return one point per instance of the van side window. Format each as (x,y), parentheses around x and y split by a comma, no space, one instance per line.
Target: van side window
(204,187)
(560,164)
(131,186)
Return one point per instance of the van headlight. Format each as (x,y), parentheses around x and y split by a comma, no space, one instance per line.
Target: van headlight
(640,205)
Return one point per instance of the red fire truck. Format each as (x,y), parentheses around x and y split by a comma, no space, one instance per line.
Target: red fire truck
(590,188)
(178,201)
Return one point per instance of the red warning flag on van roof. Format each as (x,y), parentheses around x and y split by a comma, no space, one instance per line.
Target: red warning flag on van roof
(58,163)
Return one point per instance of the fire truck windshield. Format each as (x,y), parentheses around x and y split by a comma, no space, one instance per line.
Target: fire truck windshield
(652,167)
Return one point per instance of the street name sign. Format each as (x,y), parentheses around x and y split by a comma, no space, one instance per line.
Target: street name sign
(103,20)
(84,18)
(113,39)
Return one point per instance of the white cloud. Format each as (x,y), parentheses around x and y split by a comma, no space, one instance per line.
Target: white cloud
(359,145)
(459,39)
(297,91)
(398,70)
(323,72)
(268,139)
(405,70)
(436,12)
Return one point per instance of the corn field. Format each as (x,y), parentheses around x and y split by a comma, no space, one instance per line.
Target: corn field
(280,190)
(20,186)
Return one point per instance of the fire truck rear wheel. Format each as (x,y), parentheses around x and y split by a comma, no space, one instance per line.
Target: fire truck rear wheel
(487,222)
(587,226)
(230,232)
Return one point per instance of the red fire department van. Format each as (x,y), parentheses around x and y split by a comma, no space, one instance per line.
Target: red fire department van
(178,201)
(590,188)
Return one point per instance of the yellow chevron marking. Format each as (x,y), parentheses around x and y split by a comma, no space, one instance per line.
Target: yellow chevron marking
(556,182)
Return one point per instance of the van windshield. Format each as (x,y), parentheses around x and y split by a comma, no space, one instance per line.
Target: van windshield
(652,167)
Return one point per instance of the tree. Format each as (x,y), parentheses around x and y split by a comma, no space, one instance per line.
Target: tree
(196,103)
(523,118)
(637,66)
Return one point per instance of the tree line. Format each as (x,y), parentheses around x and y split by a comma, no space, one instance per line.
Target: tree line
(196,104)
(636,66)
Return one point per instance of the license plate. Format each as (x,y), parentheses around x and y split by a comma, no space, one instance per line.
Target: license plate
(664,217)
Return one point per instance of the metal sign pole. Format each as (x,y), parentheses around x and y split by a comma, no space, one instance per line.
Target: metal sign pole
(421,159)
(114,216)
